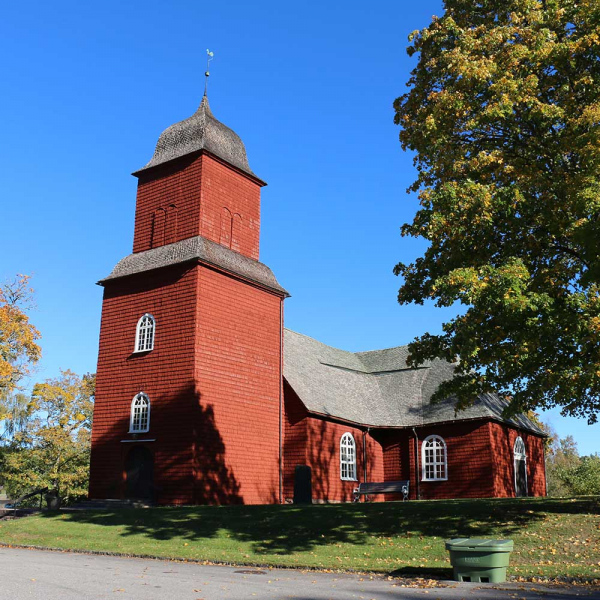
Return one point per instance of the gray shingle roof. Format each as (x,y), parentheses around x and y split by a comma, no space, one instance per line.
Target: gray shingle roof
(201,131)
(196,249)
(377,388)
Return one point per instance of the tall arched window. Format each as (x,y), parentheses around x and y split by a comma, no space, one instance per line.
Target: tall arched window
(226,224)
(236,232)
(144,334)
(520,462)
(171,224)
(159,224)
(433,457)
(348,457)
(140,414)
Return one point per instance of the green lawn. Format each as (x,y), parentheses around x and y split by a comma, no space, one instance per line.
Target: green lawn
(553,537)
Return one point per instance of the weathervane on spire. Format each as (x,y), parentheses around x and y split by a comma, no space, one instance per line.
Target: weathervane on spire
(209,57)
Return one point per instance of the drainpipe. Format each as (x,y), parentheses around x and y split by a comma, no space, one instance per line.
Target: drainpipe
(281,403)
(418,470)
(544,463)
(365,434)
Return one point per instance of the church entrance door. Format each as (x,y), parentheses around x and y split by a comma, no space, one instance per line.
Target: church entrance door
(139,470)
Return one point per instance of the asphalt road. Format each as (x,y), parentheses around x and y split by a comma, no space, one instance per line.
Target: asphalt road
(33,574)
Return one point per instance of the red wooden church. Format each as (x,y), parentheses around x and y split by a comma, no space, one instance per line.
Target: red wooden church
(203,397)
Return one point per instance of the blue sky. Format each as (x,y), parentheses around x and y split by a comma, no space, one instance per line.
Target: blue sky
(88,87)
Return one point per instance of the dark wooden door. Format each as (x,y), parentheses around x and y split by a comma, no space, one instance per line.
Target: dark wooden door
(303,485)
(139,469)
(520,477)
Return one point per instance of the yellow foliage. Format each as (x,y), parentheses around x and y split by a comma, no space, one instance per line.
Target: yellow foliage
(18,337)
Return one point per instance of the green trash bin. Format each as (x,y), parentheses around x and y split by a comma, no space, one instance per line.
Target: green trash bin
(483,561)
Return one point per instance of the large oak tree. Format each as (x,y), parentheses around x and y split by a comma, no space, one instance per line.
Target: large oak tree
(503,115)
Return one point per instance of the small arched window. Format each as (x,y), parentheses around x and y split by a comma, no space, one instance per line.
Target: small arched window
(140,414)
(144,334)
(433,457)
(348,458)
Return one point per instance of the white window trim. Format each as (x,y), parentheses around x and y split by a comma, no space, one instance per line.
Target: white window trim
(131,414)
(423,464)
(520,456)
(348,435)
(137,334)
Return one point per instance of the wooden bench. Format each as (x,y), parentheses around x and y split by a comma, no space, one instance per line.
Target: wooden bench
(384,487)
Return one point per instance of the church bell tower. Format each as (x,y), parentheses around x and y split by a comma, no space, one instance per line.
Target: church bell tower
(189,380)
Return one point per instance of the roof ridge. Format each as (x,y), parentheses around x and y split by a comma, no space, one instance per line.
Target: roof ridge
(319,342)
(341,349)
(382,349)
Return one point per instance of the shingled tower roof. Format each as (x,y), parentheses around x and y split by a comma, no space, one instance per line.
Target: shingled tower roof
(201,131)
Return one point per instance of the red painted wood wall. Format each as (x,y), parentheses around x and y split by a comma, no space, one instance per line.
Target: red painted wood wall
(315,441)
(479,455)
(502,443)
(170,296)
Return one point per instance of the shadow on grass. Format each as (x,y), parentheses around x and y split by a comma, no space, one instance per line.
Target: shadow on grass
(280,530)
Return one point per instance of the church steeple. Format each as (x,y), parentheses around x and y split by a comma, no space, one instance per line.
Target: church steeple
(198,183)
(210,383)
(201,131)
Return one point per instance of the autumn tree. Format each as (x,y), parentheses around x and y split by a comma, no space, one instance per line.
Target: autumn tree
(19,350)
(503,115)
(53,451)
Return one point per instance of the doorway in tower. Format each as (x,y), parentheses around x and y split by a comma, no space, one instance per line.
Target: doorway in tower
(139,474)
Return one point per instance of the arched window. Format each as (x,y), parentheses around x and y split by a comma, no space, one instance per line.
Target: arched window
(140,414)
(226,224)
(433,457)
(236,229)
(171,224)
(348,457)
(159,224)
(144,334)
(520,462)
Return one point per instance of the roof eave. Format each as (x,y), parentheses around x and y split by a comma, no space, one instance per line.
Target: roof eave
(249,174)
(282,292)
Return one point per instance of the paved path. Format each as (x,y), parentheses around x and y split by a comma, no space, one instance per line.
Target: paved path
(33,574)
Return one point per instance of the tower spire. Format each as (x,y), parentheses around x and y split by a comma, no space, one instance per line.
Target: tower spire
(209,57)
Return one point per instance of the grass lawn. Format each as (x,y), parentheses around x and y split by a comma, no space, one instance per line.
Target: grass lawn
(553,537)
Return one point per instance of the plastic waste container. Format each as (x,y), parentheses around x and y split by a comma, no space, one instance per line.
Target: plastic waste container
(479,560)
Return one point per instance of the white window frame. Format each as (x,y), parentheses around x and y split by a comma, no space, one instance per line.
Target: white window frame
(347,465)
(518,455)
(134,427)
(434,442)
(140,329)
